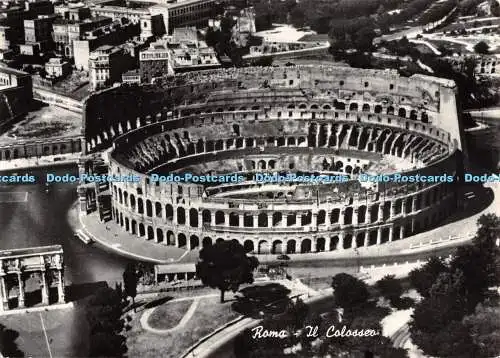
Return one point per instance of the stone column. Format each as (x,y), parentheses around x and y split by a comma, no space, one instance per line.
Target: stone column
(255,220)
(379,236)
(414,203)
(200,219)
(342,217)
(355,216)
(314,221)
(4,304)
(393,210)
(341,241)
(44,288)
(403,207)
(21,290)
(327,243)
(380,212)
(366,239)
(60,287)
(328,218)
(284,218)
(391,231)
(270,220)
(212,219)
(241,220)
(401,231)
(354,241)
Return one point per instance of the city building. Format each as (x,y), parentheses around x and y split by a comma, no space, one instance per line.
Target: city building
(16,94)
(57,67)
(106,65)
(154,61)
(180,52)
(37,35)
(132,77)
(66,31)
(116,33)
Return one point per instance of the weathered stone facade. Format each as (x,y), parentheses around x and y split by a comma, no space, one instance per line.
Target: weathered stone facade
(323,120)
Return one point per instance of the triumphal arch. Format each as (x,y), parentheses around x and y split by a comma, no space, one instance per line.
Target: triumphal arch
(31,276)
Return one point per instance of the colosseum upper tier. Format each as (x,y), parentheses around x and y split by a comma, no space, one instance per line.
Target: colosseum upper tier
(322,120)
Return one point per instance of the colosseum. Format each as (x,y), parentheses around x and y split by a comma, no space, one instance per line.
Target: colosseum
(321,120)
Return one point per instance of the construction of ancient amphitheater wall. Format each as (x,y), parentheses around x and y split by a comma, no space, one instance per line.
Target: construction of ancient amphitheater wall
(324,121)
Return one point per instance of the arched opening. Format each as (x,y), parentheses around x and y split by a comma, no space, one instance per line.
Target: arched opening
(140,206)
(263,247)
(151,233)
(181,216)
(248,246)
(348,216)
(348,241)
(170,238)
(277,218)
(149,208)
(193,217)
(159,235)
(402,112)
(262,220)
(360,239)
(233,219)
(305,246)
(181,240)
(220,218)
(142,231)
(207,241)
(169,212)
(334,242)
(291,246)
(320,244)
(277,247)
(194,242)
(158,209)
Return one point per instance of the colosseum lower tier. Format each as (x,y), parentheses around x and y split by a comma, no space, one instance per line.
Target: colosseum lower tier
(302,120)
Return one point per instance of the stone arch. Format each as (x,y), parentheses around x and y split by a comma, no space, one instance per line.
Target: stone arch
(334,242)
(348,216)
(234,219)
(402,112)
(321,218)
(207,241)
(169,212)
(263,247)
(347,241)
(277,247)
(248,246)
(193,217)
(291,246)
(133,227)
(360,239)
(149,208)
(262,220)
(151,233)
(320,244)
(353,107)
(140,206)
(170,238)
(220,218)
(159,235)
(142,231)
(181,240)
(366,107)
(277,218)
(181,215)
(305,246)
(194,241)
(158,209)
(361,214)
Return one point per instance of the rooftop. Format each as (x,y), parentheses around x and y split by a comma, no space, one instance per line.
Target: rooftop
(30,251)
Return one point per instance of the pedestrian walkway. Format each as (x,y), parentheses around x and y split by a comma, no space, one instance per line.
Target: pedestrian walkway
(187,316)
(26,163)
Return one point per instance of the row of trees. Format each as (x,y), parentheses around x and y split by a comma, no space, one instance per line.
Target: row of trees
(457,317)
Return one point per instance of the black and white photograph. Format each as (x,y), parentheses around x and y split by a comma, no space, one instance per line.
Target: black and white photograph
(250,178)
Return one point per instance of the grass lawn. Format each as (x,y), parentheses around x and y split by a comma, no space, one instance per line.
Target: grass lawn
(209,315)
(169,315)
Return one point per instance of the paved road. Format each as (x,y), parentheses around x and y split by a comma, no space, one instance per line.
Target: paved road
(39,218)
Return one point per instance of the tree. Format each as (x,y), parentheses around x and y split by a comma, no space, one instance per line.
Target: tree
(482,48)
(8,346)
(484,328)
(423,278)
(390,288)
(130,280)
(225,266)
(103,313)
(349,291)
(436,327)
